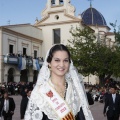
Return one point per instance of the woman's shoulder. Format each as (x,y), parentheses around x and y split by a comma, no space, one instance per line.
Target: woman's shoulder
(36,96)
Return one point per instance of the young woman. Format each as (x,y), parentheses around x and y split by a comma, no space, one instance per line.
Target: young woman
(59,93)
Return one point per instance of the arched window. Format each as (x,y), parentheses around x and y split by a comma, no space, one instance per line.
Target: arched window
(52,2)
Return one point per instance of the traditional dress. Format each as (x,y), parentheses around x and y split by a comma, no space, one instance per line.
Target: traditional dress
(46,104)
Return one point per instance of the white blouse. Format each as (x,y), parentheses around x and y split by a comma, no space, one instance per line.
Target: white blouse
(37,104)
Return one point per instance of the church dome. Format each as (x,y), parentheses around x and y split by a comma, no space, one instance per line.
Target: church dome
(93,17)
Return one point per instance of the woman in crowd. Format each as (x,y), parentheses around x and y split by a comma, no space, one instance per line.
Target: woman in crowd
(59,92)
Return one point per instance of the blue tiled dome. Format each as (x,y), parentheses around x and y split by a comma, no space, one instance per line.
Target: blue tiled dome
(92,17)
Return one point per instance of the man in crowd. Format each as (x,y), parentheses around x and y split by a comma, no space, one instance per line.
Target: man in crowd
(24,103)
(90,99)
(7,107)
(112,105)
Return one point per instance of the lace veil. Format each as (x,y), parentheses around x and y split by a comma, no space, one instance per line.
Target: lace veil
(72,74)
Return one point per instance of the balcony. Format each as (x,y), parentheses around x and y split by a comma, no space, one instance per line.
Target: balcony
(11,59)
(17,59)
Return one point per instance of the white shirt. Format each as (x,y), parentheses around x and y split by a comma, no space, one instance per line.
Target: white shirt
(28,97)
(6,105)
(113,97)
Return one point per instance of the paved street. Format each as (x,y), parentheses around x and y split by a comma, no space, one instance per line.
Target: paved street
(96,109)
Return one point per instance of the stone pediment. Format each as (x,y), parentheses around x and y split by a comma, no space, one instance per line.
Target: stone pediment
(57,17)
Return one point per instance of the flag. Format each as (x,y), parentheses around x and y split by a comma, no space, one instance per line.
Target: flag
(22,63)
(36,65)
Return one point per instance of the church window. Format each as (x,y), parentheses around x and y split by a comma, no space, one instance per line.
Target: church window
(56,17)
(61,2)
(11,48)
(24,51)
(35,53)
(56,36)
(52,2)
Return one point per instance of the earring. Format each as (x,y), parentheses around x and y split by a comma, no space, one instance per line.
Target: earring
(49,68)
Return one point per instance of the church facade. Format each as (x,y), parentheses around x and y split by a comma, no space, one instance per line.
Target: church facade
(54,27)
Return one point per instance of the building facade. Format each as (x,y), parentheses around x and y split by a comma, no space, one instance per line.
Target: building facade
(54,27)
(19,41)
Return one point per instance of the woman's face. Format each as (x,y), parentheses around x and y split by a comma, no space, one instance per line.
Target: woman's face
(60,63)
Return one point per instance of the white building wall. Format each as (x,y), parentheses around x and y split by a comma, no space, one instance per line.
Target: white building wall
(48,35)
(1,57)
(27,29)
(100,28)
(91,79)
(19,41)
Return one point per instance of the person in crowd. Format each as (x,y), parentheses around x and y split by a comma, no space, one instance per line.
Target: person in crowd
(23,89)
(58,93)
(7,107)
(89,96)
(112,105)
(24,103)
(98,92)
(24,92)
(16,89)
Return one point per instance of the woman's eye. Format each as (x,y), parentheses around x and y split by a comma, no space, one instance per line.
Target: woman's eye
(57,60)
(66,60)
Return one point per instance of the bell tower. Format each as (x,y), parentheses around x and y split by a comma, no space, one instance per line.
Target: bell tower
(57,5)
(57,2)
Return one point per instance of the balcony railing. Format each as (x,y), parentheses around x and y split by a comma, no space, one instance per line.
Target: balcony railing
(15,59)
(11,60)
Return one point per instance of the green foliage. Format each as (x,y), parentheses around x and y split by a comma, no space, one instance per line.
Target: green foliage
(92,57)
(116,31)
(82,46)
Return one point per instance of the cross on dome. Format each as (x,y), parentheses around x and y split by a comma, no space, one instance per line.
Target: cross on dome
(90,2)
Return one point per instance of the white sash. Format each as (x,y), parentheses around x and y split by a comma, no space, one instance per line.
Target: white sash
(56,102)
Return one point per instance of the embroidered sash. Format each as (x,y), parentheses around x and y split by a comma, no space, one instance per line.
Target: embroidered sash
(56,102)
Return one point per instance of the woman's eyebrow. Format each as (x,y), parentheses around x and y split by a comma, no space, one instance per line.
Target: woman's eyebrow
(59,58)
(56,58)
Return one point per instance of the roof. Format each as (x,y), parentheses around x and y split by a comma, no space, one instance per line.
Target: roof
(93,17)
(110,33)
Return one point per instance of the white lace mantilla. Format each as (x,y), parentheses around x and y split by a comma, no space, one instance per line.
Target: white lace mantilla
(75,96)
(37,104)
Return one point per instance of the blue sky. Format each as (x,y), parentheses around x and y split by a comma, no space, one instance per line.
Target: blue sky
(26,11)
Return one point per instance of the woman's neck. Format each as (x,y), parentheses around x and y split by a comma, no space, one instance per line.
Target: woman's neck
(58,80)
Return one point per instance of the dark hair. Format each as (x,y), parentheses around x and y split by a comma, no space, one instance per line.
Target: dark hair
(5,91)
(58,47)
(113,86)
(28,90)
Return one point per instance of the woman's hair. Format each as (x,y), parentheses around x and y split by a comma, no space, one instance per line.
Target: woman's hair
(58,47)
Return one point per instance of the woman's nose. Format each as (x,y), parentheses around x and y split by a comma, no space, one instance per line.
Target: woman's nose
(61,63)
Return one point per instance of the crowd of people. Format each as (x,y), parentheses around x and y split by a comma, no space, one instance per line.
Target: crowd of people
(95,93)
(14,88)
(109,94)
(99,92)
(7,103)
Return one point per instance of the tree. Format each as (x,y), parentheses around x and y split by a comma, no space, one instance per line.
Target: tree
(90,56)
(81,47)
(116,67)
(116,31)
